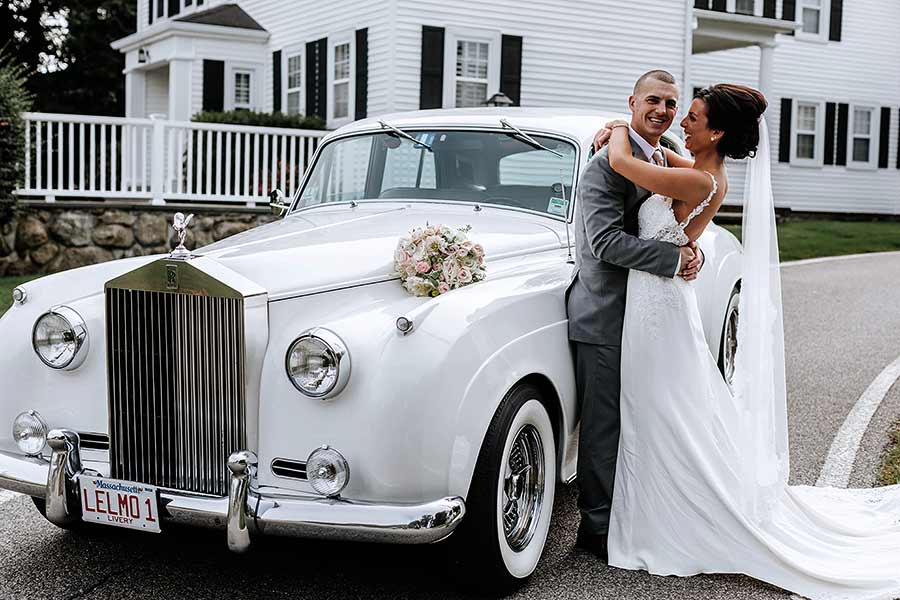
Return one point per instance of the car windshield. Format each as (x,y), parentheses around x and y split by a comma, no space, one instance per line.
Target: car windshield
(466,166)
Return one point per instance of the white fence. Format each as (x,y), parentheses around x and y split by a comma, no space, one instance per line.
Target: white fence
(76,156)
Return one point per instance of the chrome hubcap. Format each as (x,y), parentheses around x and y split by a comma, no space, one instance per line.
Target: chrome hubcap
(523,488)
(731,329)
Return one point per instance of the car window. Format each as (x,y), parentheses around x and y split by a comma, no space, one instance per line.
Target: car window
(408,166)
(478,166)
(535,167)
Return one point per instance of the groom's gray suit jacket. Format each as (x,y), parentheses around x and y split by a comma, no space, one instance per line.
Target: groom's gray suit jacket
(607,246)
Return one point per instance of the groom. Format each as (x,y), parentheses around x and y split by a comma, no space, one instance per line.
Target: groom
(606,228)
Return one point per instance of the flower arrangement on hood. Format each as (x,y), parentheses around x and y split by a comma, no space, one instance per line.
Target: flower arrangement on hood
(435,259)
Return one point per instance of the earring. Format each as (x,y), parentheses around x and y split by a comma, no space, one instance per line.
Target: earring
(712,139)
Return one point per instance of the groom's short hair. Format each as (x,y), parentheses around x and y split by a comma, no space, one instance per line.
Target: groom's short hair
(657,74)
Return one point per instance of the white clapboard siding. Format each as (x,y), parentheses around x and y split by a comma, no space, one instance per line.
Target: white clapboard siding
(861,68)
(293,24)
(574,53)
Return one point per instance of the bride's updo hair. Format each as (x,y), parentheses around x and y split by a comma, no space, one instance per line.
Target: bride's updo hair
(735,110)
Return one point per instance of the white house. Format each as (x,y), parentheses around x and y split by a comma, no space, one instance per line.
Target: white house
(830,69)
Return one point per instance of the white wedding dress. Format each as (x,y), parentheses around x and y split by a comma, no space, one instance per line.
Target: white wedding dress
(701,479)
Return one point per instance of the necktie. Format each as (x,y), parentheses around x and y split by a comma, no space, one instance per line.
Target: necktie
(657,158)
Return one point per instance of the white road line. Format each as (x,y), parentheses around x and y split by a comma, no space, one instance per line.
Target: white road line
(813,261)
(6,496)
(839,464)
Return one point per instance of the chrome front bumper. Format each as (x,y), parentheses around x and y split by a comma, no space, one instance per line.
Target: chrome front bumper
(248,510)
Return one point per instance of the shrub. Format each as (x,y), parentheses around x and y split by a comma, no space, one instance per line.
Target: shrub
(14,100)
(259,119)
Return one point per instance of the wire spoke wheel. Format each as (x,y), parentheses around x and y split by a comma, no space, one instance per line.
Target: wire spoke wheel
(730,341)
(523,488)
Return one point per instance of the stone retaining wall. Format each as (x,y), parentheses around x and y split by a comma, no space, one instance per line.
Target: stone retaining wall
(47,238)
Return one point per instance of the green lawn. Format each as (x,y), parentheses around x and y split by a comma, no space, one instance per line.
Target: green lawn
(890,466)
(7,284)
(812,239)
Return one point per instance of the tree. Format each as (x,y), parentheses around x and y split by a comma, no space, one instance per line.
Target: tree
(14,100)
(64,46)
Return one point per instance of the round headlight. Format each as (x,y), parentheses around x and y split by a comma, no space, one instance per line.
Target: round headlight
(318,364)
(30,432)
(60,338)
(327,471)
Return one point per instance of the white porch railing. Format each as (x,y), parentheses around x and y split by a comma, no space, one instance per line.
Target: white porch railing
(79,156)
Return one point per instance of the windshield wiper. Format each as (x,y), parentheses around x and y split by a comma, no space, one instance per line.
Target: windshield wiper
(402,133)
(528,138)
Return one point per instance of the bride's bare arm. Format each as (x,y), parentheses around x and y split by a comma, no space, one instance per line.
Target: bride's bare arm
(686,184)
(673,159)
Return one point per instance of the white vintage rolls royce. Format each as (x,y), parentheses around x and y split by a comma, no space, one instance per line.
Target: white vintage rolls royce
(283,382)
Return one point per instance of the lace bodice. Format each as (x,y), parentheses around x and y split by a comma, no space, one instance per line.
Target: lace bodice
(656,219)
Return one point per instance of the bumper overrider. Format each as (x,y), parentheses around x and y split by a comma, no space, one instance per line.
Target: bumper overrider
(248,510)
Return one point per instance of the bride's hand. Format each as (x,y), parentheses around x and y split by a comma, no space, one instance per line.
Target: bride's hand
(601,138)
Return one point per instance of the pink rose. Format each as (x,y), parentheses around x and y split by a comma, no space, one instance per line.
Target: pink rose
(423,266)
(464,275)
(443,288)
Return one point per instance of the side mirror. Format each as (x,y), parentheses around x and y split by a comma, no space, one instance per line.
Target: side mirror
(276,202)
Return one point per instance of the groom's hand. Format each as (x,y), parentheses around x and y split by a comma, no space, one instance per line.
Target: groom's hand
(691,267)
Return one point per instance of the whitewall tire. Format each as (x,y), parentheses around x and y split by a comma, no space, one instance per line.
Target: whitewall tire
(510,501)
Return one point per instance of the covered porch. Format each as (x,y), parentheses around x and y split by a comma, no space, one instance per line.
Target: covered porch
(727,24)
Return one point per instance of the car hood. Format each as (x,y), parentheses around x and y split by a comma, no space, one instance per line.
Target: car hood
(328,247)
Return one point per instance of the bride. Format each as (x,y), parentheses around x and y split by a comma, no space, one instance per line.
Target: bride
(701,478)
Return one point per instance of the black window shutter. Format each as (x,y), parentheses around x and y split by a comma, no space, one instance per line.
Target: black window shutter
(214,85)
(317,78)
(276,81)
(843,117)
(837,15)
(830,108)
(174,7)
(769,9)
(150,13)
(701,4)
(718,5)
(898,139)
(885,138)
(784,142)
(789,10)
(511,67)
(431,79)
(362,73)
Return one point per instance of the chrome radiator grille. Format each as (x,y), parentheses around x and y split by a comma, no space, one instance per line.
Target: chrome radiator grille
(175,366)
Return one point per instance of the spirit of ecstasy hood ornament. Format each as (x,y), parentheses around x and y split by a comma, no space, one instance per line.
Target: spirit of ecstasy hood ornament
(180,225)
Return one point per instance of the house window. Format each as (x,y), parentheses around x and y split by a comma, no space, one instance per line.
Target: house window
(745,7)
(242,90)
(812,17)
(294,83)
(807,131)
(341,81)
(861,135)
(472,82)
(241,84)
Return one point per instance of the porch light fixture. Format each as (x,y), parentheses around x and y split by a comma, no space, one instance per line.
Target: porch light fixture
(143,55)
(499,99)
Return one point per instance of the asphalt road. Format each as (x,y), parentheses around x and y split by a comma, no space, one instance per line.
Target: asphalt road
(842,328)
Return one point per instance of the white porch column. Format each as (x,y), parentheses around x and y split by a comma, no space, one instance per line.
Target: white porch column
(135,94)
(180,70)
(766,66)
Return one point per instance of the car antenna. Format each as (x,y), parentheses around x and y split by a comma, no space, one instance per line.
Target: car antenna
(562,185)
